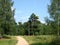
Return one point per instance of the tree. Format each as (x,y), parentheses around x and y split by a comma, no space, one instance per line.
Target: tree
(7,16)
(49,26)
(33,24)
(26,27)
(54,10)
(20,29)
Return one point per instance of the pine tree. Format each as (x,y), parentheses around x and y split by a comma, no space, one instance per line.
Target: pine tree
(34,24)
(6,16)
(54,10)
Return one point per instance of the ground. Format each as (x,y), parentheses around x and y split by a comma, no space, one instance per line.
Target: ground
(21,41)
(29,40)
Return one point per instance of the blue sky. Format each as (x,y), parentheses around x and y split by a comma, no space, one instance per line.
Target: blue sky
(24,8)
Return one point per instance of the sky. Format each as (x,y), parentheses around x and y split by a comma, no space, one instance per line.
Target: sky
(24,8)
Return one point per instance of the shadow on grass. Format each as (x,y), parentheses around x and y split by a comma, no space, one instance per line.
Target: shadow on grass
(52,43)
(41,44)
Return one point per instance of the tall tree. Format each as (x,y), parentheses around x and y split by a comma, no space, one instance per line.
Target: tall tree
(54,10)
(34,24)
(7,15)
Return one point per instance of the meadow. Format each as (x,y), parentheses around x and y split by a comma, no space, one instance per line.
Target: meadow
(6,41)
(40,40)
(32,40)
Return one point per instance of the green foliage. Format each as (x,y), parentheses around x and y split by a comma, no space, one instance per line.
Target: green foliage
(6,37)
(32,27)
(7,22)
(54,11)
(20,30)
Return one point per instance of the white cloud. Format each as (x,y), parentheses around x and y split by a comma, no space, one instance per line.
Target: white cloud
(43,21)
(12,8)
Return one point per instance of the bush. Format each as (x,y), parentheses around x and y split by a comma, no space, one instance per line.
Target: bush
(56,41)
(5,36)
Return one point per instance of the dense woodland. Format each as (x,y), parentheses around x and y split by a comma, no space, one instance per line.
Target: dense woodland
(33,26)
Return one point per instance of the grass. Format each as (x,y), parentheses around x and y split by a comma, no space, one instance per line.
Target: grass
(10,41)
(40,40)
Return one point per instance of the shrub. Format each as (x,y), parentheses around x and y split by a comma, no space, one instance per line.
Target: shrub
(5,36)
(56,41)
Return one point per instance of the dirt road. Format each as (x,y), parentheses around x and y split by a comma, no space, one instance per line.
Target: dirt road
(21,41)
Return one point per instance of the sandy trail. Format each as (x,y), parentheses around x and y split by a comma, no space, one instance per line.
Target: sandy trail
(21,41)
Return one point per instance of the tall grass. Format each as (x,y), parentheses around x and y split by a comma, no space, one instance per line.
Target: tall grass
(40,40)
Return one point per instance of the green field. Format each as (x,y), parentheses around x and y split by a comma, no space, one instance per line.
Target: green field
(40,40)
(32,40)
(11,41)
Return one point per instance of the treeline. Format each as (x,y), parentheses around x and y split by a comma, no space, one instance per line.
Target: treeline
(33,26)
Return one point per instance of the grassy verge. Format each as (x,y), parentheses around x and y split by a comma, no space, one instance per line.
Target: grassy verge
(40,40)
(10,41)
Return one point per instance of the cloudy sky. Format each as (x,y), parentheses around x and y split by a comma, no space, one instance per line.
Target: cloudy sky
(24,8)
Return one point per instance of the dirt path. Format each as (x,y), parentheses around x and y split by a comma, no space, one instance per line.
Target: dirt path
(21,41)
